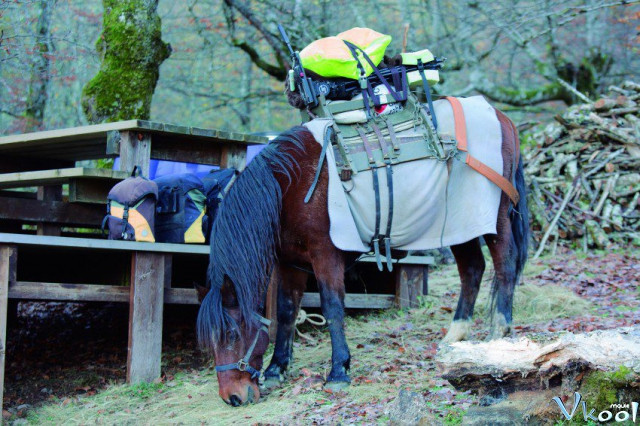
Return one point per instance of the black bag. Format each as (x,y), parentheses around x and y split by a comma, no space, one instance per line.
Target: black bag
(180,209)
(131,206)
(215,185)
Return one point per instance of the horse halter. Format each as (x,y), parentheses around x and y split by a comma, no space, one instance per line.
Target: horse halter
(243,364)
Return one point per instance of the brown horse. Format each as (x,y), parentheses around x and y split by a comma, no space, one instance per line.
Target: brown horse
(264,227)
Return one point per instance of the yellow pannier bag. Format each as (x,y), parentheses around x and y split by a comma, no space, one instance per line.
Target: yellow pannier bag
(330,57)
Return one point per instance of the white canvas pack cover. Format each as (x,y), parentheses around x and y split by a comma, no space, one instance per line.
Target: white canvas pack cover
(432,206)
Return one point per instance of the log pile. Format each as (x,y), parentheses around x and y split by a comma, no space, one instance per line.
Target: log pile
(584,172)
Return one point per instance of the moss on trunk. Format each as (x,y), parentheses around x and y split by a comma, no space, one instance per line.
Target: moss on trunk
(132,51)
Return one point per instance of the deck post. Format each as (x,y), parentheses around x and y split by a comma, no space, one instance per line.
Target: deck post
(135,150)
(409,285)
(146,300)
(8,257)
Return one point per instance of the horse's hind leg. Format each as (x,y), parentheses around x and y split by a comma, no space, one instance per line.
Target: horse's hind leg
(291,285)
(504,252)
(471,265)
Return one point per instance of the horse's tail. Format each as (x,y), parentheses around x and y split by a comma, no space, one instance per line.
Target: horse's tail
(519,217)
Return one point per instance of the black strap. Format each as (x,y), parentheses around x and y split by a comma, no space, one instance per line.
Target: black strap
(353,48)
(125,220)
(243,364)
(137,171)
(323,153)
(427,93)
(376,190)
(389,171)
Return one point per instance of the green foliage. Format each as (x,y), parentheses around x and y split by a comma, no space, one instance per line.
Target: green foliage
(132,51)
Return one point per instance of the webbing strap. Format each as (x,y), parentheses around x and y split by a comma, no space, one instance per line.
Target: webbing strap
(477,165)
(427,93)
(323,154)
(353,48)
(386,149)
(376,190)
(392,135)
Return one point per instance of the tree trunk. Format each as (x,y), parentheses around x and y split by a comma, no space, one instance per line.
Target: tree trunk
(132,52)
(37,95)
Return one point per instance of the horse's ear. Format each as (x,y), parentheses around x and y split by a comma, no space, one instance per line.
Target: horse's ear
(202,291)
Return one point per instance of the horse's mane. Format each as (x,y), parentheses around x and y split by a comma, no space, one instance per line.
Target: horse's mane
(245,235)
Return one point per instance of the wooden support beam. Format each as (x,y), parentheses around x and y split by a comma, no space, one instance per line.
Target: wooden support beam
(409,285)
(145,317)
(8,257)
(234,156)
(58,212)
(68,292)
(135,150)
(353,301)
(48,194)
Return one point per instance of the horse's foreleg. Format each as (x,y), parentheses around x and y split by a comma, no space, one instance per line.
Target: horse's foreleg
(291,285)
(329,271)
(470,262)
(503,252)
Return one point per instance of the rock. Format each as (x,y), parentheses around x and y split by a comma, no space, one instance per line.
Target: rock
(522,408)
(409,408)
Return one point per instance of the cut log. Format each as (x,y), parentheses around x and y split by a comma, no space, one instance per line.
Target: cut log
(603,366)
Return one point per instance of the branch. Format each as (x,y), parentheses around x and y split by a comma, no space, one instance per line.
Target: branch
(278,72)
(9,113)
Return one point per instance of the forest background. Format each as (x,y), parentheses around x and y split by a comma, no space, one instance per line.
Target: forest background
(226,63)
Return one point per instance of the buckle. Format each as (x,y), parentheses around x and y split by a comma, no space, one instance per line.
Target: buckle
(242,365)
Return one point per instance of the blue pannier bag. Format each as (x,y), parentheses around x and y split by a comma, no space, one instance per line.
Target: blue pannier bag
(180,209)
(216,183)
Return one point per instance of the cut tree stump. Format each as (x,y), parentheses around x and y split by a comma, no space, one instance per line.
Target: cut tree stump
(518,378)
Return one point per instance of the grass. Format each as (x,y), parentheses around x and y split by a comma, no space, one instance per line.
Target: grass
(390,349)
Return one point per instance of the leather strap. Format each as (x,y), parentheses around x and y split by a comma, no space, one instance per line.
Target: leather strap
(477,165)
(460,125)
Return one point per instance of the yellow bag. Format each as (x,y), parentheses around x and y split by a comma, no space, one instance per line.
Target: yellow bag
(330,56)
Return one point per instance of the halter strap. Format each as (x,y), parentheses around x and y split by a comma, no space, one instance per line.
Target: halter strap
(243,364)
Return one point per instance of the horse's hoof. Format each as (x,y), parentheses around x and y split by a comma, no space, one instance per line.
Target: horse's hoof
(499,327)
(272,382)
(336,386)
(458,331)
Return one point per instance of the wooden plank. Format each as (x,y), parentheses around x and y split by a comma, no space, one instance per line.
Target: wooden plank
(145,317)
(58,212)
(96,135)
(68,292)
(135,150)
(181,296)
(59,176)
(7,276)
(199,151)
(9,164)
(409,285)
(90,191)
(91,243)
(353,301)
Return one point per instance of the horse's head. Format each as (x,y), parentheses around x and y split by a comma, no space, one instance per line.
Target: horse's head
(238,350)
(244,239)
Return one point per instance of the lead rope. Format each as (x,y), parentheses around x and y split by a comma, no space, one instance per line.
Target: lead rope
(314,319)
